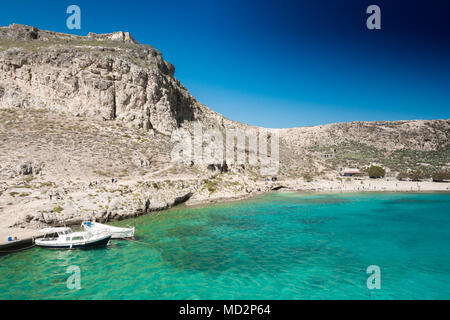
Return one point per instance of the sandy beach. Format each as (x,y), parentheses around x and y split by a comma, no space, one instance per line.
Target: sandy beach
(369,185)
(328,186)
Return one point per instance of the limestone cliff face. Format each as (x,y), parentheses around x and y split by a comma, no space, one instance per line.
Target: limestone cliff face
(109,76)
(112,77)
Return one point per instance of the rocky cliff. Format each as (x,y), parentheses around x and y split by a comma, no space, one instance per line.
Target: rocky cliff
(109,76)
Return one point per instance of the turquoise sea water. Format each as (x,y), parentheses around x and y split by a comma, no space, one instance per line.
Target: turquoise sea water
(277,246)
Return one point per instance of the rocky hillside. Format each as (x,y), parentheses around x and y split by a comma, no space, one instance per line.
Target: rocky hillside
(400,146)
(106,76)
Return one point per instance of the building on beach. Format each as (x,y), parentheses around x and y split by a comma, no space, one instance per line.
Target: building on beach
(350,172)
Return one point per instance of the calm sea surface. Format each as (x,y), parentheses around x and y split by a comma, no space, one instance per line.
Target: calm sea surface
(278,246)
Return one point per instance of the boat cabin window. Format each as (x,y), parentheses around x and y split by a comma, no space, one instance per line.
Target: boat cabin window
(77,238)
(65,232)
(51,235)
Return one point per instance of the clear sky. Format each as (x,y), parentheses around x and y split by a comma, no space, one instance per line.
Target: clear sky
(283,63)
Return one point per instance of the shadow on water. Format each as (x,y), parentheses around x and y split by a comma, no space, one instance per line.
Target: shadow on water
(314,220)
(248,237)
(245,222)
(420,201)
(215,255)
(323,201)
(253,246)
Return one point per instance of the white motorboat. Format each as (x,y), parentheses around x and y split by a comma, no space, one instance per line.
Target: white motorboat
(117,233)
(64,238)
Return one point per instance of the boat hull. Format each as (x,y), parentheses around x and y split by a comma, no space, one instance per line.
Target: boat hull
(123,235)
(86,245)
(116,232)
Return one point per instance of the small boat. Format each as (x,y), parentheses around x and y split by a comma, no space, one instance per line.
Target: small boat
(64,238)
(117,233)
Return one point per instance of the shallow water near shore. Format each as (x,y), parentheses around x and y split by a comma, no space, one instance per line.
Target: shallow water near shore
(276,246)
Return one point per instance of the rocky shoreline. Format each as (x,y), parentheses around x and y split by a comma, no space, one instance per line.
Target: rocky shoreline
(168,198)
(325,186)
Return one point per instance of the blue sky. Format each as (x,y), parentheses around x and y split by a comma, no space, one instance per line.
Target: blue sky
(283,63)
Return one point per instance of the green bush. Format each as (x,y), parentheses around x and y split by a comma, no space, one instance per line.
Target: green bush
(376,172)
(417,175)
(441,176)
(402,176)
(57,209)
(211,186)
